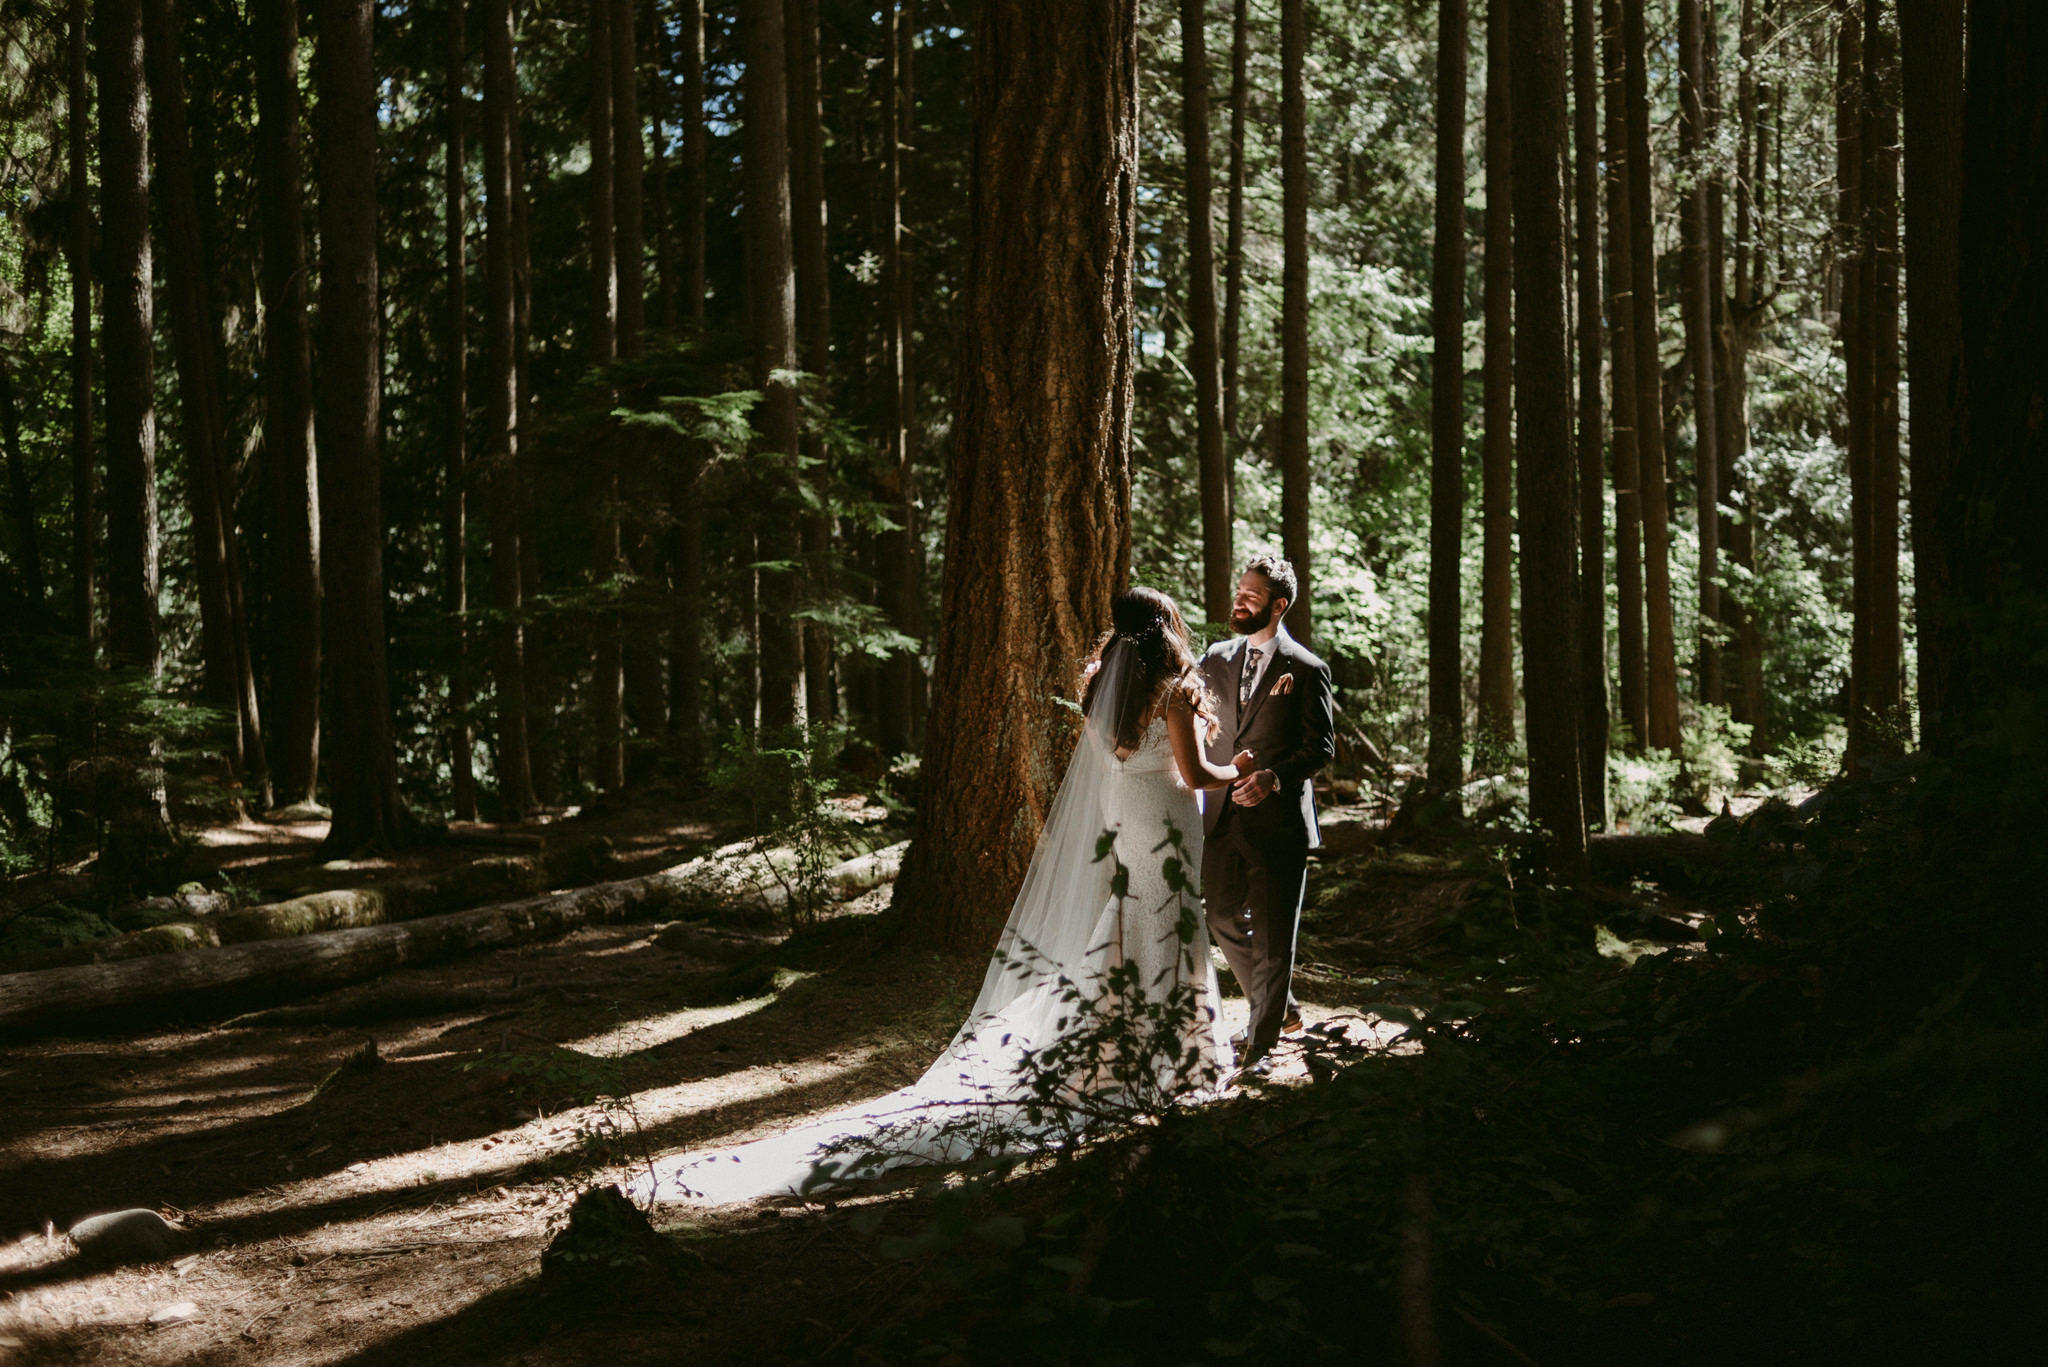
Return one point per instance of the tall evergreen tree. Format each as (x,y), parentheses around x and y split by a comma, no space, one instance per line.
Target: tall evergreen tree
(1447,414)
(1294,479)
(1497,449)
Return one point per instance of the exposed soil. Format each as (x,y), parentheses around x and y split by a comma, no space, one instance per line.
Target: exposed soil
(397,1211)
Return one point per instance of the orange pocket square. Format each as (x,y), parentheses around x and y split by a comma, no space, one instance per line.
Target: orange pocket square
(1283,685)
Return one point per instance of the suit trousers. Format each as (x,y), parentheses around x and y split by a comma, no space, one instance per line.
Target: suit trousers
(1253,895)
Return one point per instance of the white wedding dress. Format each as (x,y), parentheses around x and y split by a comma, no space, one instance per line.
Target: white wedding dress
(1094,1003)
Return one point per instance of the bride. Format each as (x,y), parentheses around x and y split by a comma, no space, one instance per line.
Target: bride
(1100,995)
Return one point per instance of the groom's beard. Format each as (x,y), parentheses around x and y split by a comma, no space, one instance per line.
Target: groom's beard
(1251,623)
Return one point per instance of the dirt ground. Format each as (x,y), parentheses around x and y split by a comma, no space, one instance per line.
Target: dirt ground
(396,1212)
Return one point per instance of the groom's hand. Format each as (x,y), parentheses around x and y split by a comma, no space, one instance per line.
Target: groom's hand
(1253,789)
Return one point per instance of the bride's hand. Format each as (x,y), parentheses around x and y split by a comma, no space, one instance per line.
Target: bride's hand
(1244,762)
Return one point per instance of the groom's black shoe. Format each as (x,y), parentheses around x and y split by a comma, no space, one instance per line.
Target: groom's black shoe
(1289,1026)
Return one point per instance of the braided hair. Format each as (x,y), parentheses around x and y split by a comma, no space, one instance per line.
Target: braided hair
(1147,623)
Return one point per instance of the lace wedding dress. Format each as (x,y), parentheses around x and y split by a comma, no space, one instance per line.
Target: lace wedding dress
(1091,997)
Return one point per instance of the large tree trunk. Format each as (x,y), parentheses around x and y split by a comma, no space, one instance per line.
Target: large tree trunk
(772,289)
(127,331)
(1294,314)
(896,551)
(455,517)
(1699,329)
(814,326)
(1447,415)
(195,332)
(1233,238)
(1043,421)
(1592,489)
(2000,490)
(1631,660)
(1885,696)
(608,676)
(290,468)
(1931,48)
(1218,571)
(1497,450)
(78,256)
(1853,259)
(1662,657)
(501,412)
(1550,653)
(363,766)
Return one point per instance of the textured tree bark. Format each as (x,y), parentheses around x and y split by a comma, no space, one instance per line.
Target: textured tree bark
(501,412)
(814,324)
(195,332)
(1852,252)
(772,288)
(1699,328)
(1592,474)
(290,467)
(1661,655)
(363,767)
(1043,422)
(896,551)
(1631,661)
(1550,651)
(1497,452)
(1294,315)
(1447,415)
(2000,494)
(78,256)
(1885,697)
(1931,51)
(455,501)
(608,676)
(1233,238)
(127,331)
(1219,576)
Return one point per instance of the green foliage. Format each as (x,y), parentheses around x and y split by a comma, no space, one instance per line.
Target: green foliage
(783,783)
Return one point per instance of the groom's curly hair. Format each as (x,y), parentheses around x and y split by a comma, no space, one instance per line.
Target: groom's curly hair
(1148,622)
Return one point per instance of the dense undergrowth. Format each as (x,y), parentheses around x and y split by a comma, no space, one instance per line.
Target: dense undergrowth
(1822,1139)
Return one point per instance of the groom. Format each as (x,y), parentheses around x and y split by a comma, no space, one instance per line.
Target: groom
(1274,700)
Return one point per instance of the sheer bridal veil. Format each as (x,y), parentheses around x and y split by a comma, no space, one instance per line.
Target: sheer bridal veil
(1026,999)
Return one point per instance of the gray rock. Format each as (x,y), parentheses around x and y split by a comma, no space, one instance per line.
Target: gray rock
(124,1236)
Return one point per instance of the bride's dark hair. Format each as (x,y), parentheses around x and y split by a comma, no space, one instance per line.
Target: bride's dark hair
(1146,623)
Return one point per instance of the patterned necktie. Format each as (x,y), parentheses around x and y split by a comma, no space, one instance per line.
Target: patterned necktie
(1251,676)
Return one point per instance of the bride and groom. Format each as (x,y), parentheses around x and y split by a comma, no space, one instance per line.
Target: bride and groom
(1105,928)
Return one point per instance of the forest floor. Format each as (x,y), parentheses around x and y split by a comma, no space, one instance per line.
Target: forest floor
(397,1213)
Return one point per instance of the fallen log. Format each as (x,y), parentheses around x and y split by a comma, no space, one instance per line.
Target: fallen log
(233,975)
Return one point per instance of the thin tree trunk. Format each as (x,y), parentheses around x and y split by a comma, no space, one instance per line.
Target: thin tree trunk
(127,332)
(1218,570)
(686,646)
(1662,657)
(1885,698)
(693,157)
(608,677)
(501,413)
(21,497)
(1732,338)
(664,205)
(1294,314)
(1699,327)
(814,325)
(1043,420)
(1497,452)
(1550,654)
(1447,415)
(896,551)
(1632,664)
(772,268)
(1233,240)
(1854,259)
(363,765)
(1592,488)
(455,517)
(290,466)
(1931,49)
(78,256)
(202,421)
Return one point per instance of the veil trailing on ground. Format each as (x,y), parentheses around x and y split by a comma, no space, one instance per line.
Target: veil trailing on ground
(976,1100)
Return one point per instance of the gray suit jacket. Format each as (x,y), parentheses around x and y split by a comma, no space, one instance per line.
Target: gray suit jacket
(1293,733)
